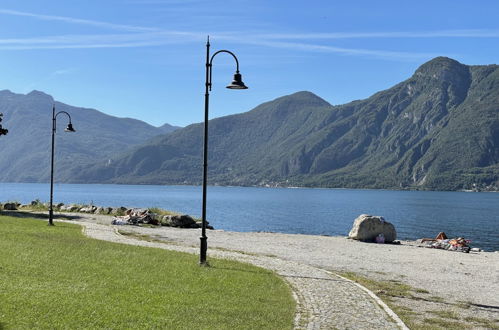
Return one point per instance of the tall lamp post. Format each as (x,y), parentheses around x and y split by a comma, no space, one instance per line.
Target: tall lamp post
(236,83)
(69,128)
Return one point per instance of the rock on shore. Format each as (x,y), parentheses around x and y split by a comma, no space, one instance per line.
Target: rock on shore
(366,228)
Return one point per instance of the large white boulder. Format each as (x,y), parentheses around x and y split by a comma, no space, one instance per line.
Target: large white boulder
(367,227)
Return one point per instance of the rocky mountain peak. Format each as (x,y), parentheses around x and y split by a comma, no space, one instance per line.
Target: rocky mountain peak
(443,69)
(308,97)
(40,95)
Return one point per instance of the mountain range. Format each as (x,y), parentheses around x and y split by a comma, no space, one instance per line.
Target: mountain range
(437,130)
(25,150)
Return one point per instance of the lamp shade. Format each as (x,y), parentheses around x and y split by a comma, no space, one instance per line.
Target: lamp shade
(69,128)
(237,83)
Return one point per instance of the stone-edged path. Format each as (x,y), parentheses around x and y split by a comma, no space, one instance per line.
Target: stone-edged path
(324,300)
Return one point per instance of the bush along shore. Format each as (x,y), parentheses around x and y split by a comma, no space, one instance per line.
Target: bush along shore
(121,215)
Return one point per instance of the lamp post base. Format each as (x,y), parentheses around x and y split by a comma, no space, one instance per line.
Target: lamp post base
(51,217)
(202,254)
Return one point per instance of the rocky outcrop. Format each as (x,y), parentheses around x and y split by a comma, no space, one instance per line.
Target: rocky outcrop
(88,209)
(119,210)
(182,221)
(10,206)
(121,215)
(70,208)
(367,228)
(137,216)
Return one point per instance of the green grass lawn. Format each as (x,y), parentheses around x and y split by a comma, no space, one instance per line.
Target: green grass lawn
(55,277)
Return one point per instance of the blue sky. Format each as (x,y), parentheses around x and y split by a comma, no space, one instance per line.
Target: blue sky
(145,59)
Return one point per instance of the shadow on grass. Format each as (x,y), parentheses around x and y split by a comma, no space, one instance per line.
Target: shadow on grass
(282,275)
(37,215)
(237,270)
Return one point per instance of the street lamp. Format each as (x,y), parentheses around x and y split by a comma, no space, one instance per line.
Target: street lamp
(69,128)
(236,83)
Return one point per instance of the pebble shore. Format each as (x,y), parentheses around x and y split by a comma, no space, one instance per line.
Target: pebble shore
(310,263)
(324,300)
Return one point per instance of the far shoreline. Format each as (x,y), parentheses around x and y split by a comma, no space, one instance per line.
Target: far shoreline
(266,186)
(107,219)
(312,211)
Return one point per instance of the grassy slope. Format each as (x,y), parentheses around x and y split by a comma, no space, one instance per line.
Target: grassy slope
(54,277)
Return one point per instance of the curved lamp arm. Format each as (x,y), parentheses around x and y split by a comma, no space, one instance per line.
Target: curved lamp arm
(57,114)
(225,51)
(237,83)
(69,128)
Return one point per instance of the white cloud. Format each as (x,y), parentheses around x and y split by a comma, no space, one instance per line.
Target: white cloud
(100,41)
(153,37)
(472,33)
(63,72)
(72,20)
(163,2)
(173,37)
(340,50)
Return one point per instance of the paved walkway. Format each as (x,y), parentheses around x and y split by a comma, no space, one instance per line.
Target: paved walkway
(324,300)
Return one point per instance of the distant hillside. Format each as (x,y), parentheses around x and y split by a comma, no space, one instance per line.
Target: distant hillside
(25,151)
(167,128)
(439,129)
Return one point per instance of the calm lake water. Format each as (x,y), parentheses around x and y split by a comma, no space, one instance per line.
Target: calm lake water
(415,214)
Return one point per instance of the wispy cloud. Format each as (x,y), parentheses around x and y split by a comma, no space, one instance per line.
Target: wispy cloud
(140,36)
(174,37)
(101,40)
(472,33)
(48,77)
(341,50)
(72,20)
(163,2)
(61,72)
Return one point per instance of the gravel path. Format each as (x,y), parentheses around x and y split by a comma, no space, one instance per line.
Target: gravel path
(324,299)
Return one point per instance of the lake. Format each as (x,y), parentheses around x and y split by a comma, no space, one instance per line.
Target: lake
(415,214)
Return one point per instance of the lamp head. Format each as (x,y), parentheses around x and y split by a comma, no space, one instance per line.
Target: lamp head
(237,82)
(69,128)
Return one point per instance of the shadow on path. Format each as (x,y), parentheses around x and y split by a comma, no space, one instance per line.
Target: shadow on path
(485,306)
